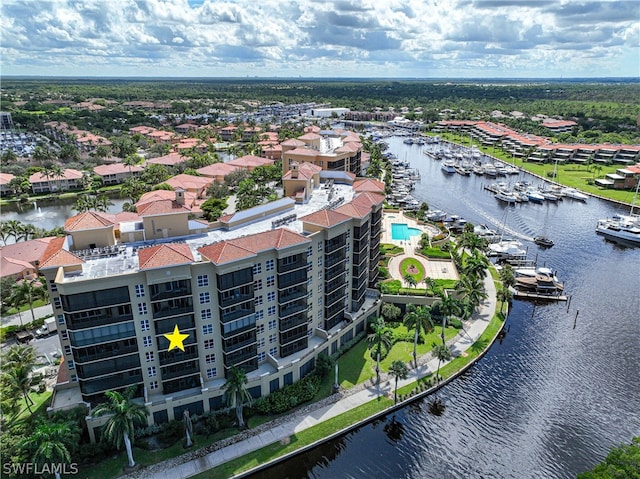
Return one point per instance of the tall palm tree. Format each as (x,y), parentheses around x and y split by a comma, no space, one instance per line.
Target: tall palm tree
(28,291)
(420,320)
(398,370)
(124,414)
(410,280)
(18,363)
(14,228)
(442,353)
(472,289)
(476,265)
(51,443)
(504,295)
(429,284)
(507,276)
(237,392)
(380,337)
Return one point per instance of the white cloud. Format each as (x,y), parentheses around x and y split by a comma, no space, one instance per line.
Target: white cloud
(350,38)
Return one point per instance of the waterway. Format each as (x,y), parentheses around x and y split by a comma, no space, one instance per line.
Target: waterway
(553,397)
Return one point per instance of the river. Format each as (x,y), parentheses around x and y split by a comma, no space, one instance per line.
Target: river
(551,399)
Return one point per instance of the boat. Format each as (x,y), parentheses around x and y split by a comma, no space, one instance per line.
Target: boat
(574,194)
(507,250)
(549,196)
(534,196)
(622,228)
(506,197)
(538,280)
(543,241)
(448,166)
(490,171)
(436,215)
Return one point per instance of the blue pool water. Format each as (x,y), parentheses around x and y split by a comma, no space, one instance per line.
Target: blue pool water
(400,231)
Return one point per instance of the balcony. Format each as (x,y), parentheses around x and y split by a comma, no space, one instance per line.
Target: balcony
(337,283)
(293,323)
(248,354)
(292,278)
(235,280)
(334,272)
(108,383)
(229,346)
(158,293)
(172,308)
(291,295)
(78,340)
(108,366)
(331,262)
(237,314)
(167,325)
(177,356)
(292,309)
(299,263)
(333,246)
(178,371)
(109,350)
(102,320)
(235,298)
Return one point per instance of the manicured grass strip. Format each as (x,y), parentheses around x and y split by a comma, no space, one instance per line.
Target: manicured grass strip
(387,248)
(303,438)
(417,270)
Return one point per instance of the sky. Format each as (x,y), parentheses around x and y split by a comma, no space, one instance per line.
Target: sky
(321,39)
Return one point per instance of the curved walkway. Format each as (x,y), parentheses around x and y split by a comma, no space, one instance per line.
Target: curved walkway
(281,429)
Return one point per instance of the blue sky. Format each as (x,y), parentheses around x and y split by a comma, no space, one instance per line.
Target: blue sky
(316,38)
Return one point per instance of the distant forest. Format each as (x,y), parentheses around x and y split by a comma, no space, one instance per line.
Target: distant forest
(600,107)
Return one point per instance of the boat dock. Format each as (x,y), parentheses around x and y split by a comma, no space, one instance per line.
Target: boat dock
(531,295)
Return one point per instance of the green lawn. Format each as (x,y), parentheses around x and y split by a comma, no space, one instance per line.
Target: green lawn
(413,265)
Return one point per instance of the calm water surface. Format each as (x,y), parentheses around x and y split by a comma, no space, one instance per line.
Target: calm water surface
(547,402)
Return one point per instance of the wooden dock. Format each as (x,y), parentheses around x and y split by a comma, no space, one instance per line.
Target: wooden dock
(545,297)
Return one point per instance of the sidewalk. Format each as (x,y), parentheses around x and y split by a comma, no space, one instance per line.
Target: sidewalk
(198,461)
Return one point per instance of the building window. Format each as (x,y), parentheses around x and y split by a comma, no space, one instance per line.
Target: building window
(206,314)
(210,358)
(273,324)
(261,343)
(57,303)
(61,319)
(271,310)
(320,261)
(319,275)
(309,251)
(144,325)
(257,285)
(257,268)
(150,356)
(259,315)
(64,334)
(262,357)
(273,351)
(270,265)
(212,373)
(271,280)
(147,341)
(203,280)
(310,332)
(320,247)
(207,329)
(53,287)
(309,266)
(74,378)
(208,344)
(71,365)
(273,338)
(67,350)
(151,371)
(153,385)
(320,289)
(205,298)
(271,296)
(142,308)
(139,290)
(259,300)
(260,329)
(319,301)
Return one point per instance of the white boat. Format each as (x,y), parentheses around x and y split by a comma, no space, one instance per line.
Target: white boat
(622,228)
(534,196)
(539,280)
(506,197)
(490,171)
(574,194)
(448,166)
(507,249)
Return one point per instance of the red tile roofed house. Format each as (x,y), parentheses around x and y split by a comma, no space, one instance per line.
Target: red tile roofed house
(185,128)
(251,132)
(322,219)
(161,136)
(164,255)
(90,230)
(292,144)
(217,171)
(56,256)
(195,144)
(22,259)
(87,141)
(273,152)
(171,159)
(369,185)
(300,181)
(70,180)
(142,130)
(116,172)
(191,201)
(168,219)
(192,184)
(558,126)
(5,189)
(250,162)
(227,132)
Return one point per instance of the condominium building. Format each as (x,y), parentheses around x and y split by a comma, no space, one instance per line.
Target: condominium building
(267,290)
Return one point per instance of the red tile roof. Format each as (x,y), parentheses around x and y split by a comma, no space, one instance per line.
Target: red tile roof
(248,246)
(159,256)
(250,161)
(89,220)
(162,207)
(305,171)
(171,159)
(325,218)
(55,255)
(217,169)
(369,184)
(115,169)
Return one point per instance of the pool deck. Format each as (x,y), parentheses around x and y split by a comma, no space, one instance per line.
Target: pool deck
(436,269)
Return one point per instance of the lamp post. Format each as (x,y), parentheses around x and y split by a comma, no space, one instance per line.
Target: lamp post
(336,385)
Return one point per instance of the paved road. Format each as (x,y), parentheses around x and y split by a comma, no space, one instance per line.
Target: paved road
(25,316)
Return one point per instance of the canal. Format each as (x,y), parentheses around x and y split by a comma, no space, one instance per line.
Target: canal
(553,397)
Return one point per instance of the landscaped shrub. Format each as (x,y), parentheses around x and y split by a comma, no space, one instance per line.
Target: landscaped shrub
(91,453)
(171,430)
(324,364)
(454,323)
(289,397)
(435,253)
(391,287)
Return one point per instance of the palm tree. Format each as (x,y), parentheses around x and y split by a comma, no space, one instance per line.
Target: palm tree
(442,353)
(380,337)
(504,295)
(237,392)
(398,370)
(410,280)
(26,291)
(18,364)
(420,320)
(429,284)
(13,228)
(472,289)
(476,265)
(507,276)
(50,443)
(124,414)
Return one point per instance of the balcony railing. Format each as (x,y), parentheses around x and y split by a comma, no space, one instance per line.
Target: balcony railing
(173,293)
(292,295)
(103,352)
(108,383)
(293,309)
(173,373)
(77,324)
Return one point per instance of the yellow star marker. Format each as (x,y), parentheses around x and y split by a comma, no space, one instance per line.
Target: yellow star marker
(176,339)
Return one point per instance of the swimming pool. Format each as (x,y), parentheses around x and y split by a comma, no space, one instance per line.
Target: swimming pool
(400,231)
